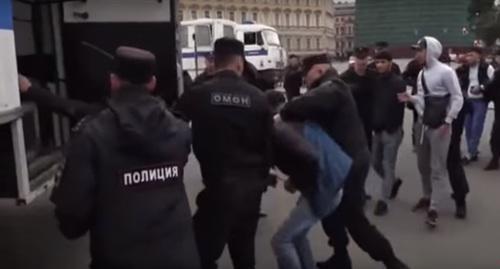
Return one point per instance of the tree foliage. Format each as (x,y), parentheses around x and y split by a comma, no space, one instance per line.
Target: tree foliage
(484,20)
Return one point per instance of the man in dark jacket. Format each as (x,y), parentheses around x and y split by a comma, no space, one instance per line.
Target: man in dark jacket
(293,77)
(329,103)
(477,74)
(360,81)
(492,93)
(387,122)
(123,179)
(379,47)
(232,127)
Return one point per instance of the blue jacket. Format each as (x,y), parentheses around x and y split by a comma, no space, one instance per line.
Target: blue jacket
(333,165)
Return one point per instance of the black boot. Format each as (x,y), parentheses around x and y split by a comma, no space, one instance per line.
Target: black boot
(395,263)
(493,165)
(337,261)
(381,209)
(461,208)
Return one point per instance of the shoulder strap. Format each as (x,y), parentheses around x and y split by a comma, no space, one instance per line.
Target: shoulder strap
(424,84)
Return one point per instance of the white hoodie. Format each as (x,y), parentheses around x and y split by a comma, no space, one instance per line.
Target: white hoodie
(441,80)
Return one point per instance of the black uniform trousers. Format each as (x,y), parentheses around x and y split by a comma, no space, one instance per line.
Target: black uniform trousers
(495,139)
(350,214)
(227,214)
(456,173)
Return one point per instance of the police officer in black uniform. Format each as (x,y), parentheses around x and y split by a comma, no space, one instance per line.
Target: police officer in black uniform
(123,178)
(330,103)
(232,127)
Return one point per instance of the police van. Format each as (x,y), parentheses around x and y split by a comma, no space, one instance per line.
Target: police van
(67,47)
(263,49)
(197,39)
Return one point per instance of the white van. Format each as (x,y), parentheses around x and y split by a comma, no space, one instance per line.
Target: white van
(197,38)
(263,49)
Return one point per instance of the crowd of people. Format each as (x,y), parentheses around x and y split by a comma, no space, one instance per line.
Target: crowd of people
(123,177)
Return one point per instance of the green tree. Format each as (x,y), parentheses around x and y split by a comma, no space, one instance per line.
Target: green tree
(484,20)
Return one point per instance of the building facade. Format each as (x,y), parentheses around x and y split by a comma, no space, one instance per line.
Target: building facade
(344,27)
(402,22)
(305,26)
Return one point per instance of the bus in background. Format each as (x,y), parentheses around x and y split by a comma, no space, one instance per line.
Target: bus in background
(263,49)
(197,38)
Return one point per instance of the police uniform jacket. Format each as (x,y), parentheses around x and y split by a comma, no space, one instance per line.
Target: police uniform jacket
(232,126)
(123,182)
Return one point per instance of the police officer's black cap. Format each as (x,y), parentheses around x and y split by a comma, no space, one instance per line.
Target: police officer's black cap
(313,60)
(421,45)
(228,46)
(361,52)
(134,65)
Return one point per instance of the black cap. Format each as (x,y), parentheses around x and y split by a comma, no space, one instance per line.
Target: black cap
(384,55)
(313,60)
(228,46)
(421,45)
(445,58)
(361,52)
(134,65)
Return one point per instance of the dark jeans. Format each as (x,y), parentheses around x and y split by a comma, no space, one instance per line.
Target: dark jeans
(227,215)
(458,179)
(350,214)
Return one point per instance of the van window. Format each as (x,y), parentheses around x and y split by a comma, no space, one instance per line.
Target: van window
(228,31)
(253,38)
(203,35)
(271,37)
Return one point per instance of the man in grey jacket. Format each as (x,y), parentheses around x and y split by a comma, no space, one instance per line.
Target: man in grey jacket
(435,81)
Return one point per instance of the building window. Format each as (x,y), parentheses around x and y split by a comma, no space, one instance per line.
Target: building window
(308,20)
(277,18)
(318,18)
(243,16)
(181,15)
(298,43)
(207,13)
(308,43)
(231,15)
(194,15)
(307,3)
(219,14)
(318,43)
(288,43)
(297,18)
(255,16)
(287,19)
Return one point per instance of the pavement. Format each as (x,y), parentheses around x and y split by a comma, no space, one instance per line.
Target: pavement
(29,238)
